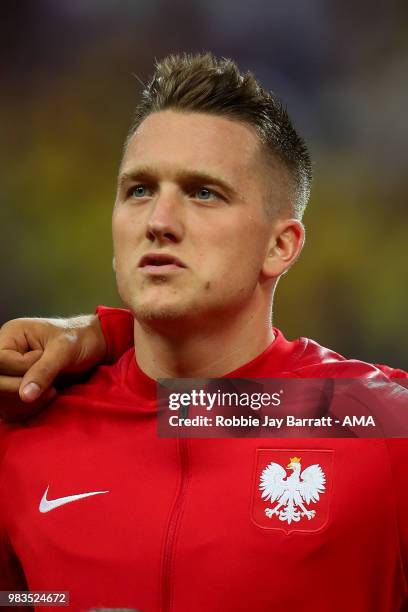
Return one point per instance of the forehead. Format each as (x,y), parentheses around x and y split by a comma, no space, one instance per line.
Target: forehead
(170,139)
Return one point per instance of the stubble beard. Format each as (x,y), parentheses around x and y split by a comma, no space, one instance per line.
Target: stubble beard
(170,307)
(176,310)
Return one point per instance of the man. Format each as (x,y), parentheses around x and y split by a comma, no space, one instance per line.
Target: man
(212,187)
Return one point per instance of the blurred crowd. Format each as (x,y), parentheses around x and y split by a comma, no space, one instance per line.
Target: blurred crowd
(70,78)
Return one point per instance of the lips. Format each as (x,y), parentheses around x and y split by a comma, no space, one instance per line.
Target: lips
(160,259)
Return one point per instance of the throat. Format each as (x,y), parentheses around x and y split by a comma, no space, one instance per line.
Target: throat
(198,355)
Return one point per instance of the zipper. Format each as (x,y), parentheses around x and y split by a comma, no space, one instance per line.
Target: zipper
(172,528)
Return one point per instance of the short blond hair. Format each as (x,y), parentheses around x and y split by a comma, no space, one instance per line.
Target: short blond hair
(206,84)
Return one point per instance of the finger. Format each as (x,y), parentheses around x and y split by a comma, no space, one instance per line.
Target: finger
(9,386)
(12,336)
(43,372)
(13,363)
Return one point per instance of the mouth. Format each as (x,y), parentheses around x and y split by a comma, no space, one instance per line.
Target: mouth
(160,263)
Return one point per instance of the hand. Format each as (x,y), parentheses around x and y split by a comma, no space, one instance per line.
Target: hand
(34,351)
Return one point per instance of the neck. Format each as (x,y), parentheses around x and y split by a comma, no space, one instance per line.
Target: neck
(207,351)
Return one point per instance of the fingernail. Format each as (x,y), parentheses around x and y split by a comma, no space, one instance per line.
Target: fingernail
(31,391)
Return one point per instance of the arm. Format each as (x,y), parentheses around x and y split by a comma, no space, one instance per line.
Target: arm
(397,449)
(12,576)
(34,351)
(11,573)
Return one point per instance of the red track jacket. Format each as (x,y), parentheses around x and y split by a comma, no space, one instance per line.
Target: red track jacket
(94,503)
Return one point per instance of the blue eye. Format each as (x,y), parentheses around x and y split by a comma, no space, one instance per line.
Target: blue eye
(205,194)
(140,191)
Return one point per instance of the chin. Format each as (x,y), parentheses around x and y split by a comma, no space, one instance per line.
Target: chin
(157,302)
(158,313)
(159,310)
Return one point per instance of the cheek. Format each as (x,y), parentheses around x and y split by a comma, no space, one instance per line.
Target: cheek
(124,251)
(245,250)
(117,228)
(231,268)
(245,259)
(124,232)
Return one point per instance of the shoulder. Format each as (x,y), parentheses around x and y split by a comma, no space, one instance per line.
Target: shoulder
(319,361)
(6,432)
(76,407)
(117,327)
(103,381)
(397,450)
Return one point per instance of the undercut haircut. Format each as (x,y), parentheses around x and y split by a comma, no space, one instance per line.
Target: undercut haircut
(206,84)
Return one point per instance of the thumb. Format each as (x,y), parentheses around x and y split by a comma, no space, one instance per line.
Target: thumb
(43,372)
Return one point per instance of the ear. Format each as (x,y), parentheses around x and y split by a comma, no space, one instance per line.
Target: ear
(114,264)
(285,245)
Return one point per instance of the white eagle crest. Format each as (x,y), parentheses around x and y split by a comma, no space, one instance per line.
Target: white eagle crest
(291,492)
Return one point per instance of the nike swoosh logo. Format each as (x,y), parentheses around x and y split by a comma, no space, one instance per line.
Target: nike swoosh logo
(50,504)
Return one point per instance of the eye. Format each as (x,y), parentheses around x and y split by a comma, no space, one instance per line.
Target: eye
(205,194)
(139,191)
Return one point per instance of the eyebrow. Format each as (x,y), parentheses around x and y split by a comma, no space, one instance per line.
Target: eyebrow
(147,173)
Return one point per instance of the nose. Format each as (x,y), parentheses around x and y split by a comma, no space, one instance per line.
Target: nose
(165,222)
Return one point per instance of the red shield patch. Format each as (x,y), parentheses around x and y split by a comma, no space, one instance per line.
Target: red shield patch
(292,489)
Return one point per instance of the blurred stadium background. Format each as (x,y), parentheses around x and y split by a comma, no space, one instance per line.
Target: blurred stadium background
(67,95)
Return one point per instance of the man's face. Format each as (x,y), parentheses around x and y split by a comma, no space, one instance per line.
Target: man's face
(190,228)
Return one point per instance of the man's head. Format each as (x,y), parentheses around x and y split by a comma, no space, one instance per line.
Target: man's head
(215,177)
(206,84)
